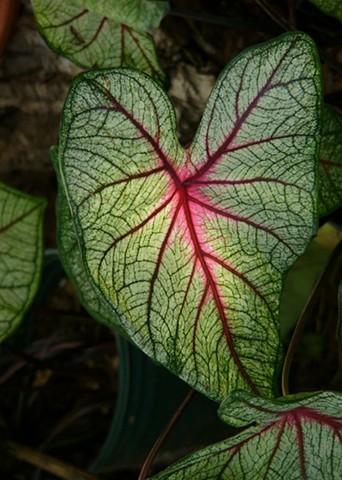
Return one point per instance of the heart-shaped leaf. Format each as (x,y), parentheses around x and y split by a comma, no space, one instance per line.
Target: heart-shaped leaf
(71,259)
(21,248)
(190,246)
(330,178)
(103,33)
(295,437)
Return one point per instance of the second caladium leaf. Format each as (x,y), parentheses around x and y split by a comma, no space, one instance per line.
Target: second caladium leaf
(190,246)
(295,437)
(102,34)
(138,14)
(330,168)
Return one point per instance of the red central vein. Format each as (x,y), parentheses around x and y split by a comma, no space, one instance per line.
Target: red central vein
(184,200)
(237,218)
(212,159)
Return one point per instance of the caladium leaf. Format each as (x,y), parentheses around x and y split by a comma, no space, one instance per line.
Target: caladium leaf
(339,328)
(330,7)
(190,246)
(330,178)
(141,15)
(103,34)
(21,248)
(71,259)
(295,437)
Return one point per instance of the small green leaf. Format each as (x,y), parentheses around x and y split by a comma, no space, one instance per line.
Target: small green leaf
(103,33)
(330,178)
(330,7)
(298,437)
(71,259)
(190,246)
(21,250)
(339,329)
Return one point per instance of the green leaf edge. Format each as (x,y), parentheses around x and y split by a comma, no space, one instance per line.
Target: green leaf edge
(41,204)
(61,202)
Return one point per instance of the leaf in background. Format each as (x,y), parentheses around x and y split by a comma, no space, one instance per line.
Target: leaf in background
(190,246)
(330,7)
(330,169)
(303,275)
(71,259)
(104,33)
(339,327)
(21,252)
(295,437)
(298,286)
(138,14)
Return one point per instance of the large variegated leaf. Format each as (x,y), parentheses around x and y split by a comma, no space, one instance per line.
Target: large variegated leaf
(190,246)
(21,252)
(298,437)
(102,34)
(71,259)
(330,178)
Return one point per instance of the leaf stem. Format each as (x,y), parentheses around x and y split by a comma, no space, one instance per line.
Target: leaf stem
(305,316)
(165,433)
